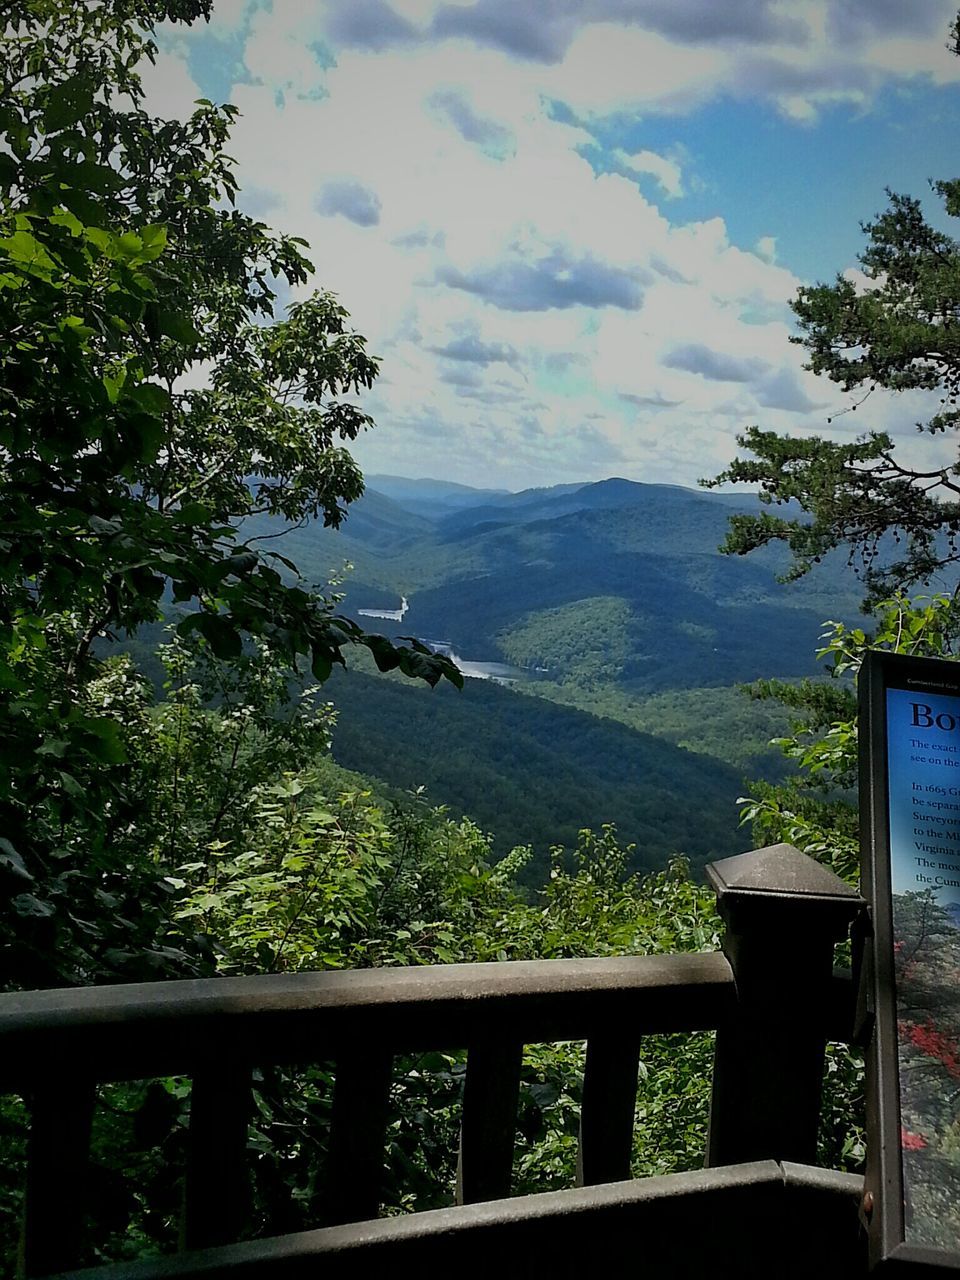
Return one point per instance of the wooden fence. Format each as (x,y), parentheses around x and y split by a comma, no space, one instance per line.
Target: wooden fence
(772,995)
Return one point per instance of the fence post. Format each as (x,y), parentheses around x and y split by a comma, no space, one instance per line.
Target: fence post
(783,913)
(58,1177)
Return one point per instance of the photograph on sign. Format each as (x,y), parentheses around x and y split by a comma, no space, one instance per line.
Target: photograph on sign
(923,763)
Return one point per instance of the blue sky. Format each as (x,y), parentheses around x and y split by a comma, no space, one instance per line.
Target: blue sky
(822,179)
(571,228)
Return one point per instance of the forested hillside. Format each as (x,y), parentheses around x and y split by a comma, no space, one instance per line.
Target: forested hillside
(609,599)
(530,772)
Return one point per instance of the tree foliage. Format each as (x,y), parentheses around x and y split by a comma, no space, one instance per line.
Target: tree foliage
(267,857)
(150,401)
(815,808)
(124,268)
(898,331)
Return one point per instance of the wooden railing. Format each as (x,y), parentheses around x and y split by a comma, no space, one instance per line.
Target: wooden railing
(771,995)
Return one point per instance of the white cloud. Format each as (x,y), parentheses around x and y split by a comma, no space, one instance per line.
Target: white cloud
(797,107)
(537,322)
(667,172)
(171,90)
(608,67)
(278,51)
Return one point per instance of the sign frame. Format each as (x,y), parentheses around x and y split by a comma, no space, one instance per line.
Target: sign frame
(884,1198)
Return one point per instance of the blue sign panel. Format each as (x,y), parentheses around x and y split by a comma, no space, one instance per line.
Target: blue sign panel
(923,763)
(909,1005)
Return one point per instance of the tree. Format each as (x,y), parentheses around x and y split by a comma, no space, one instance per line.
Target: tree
(814,809)
(900,523)
(124,267)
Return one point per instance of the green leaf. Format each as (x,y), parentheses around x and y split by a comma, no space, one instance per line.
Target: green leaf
(151,397)
(321,665)
(66,104)
(107,743)
(221,635)
(26,249)
(113,383)
(25,904)
(106,528)
(70,785)
(154,241)
(64,218)
(103,240)
(385,654)
(129,247)
(240,563)
(12,863)
(175,325)
(193,513)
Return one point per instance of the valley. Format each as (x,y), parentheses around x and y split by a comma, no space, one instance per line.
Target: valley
(604,639)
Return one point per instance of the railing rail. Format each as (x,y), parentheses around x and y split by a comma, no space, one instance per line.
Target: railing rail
(772,998)
(137,1030)
(755,1221)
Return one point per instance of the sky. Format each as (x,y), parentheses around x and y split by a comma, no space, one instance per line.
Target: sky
(570,229)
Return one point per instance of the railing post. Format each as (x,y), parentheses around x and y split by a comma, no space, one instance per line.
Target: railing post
(607,1110)
(57,1174)
(491,1092)
(217,1179)
(361,1096)
(783,914)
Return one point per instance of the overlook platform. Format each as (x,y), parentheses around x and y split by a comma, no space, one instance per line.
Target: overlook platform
(758,1208)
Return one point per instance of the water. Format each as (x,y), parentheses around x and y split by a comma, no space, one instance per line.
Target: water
(391,615)
(499,672)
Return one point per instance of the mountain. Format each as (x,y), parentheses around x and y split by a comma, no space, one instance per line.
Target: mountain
(627,633)
(430,498)
(627,567)
(529,771)
(378,521)
(548,504)
(551,574)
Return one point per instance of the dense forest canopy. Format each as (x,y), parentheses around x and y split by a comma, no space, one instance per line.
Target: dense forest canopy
(123,267)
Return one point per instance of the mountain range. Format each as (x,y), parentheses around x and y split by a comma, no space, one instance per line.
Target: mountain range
(624,632)
(486,576)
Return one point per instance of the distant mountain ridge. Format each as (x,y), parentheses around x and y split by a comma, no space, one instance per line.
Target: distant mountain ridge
(480,570)
(430,498)
(547,504)
(380,521)
(611,592)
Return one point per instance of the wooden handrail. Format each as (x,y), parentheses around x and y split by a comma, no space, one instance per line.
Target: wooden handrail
(215,1030)
(742,1222)
(138,1030)
(770,995)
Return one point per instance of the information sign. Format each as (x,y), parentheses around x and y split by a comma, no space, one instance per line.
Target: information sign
(910,823)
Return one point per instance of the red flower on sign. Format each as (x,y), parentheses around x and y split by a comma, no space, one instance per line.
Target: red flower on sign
(928,1040)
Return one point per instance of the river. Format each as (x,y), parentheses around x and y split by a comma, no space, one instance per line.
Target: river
(391,615)
(500,672)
